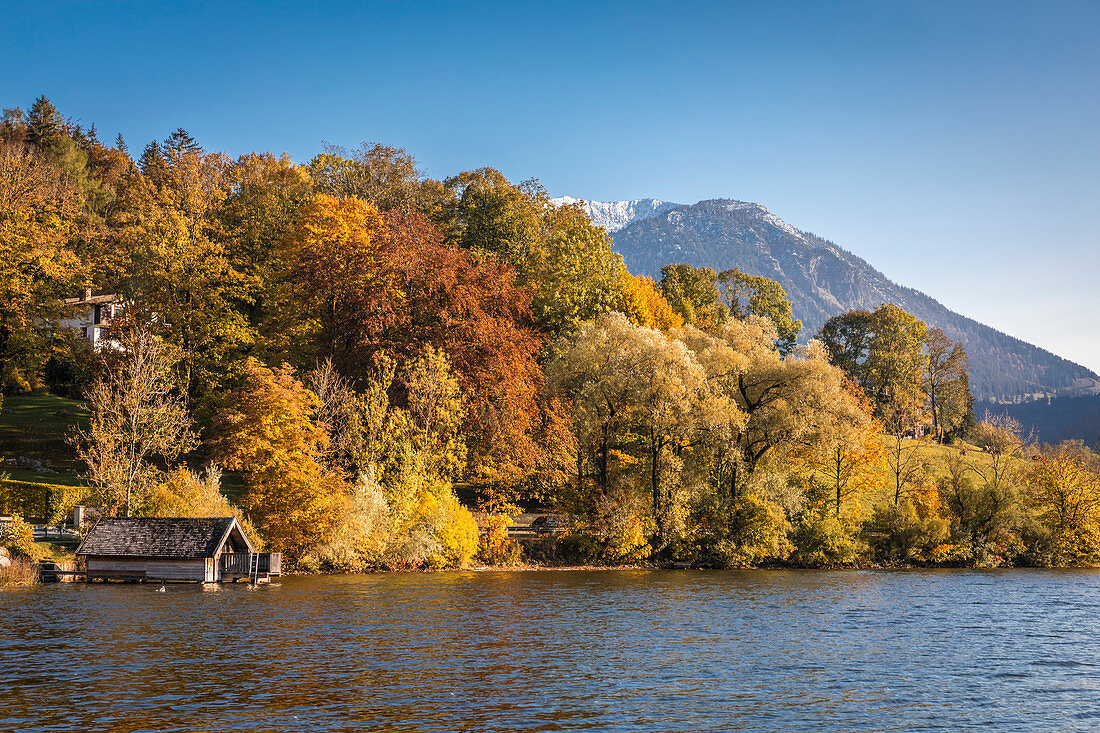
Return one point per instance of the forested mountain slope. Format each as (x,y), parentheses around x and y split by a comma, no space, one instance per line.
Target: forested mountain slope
(821,278)
(1055,420)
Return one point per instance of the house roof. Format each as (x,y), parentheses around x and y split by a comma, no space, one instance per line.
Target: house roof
(182,537)
(93,300)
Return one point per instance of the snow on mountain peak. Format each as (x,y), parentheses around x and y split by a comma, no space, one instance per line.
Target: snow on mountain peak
(614,215)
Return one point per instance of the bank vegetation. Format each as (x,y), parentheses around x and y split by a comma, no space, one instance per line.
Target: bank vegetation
(336,351)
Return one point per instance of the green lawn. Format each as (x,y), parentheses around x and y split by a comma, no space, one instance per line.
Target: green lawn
(935,457)
(61,478)
(37,426)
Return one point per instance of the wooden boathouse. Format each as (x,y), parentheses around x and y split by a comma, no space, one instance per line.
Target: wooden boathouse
(204,550)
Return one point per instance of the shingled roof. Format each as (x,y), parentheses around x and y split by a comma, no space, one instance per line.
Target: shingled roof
(182,537)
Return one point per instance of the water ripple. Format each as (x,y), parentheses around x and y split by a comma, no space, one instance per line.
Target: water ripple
(549,651)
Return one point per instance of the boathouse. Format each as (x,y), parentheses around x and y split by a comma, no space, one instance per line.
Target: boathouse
(174,548)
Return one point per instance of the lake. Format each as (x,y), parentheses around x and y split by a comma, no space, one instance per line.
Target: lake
(560,650)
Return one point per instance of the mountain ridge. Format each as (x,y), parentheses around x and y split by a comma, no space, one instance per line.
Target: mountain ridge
(614,215)
(821,278)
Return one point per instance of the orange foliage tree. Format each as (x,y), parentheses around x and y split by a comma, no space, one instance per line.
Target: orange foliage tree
(385,283)
(268,434)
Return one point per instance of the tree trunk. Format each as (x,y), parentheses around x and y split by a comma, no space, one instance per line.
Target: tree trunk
(654,476)
(935,412)
(603,463)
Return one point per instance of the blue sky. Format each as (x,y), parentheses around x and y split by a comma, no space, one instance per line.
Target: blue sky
(955,146)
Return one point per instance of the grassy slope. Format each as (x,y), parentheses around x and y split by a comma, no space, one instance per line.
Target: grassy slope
(935,457)
(37,426)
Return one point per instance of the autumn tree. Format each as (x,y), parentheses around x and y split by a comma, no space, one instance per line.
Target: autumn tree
(981,492)
(693,294)
(850,459)
(180,277)
(381,175)
(765,418)
(1001,438)
(788,403)
(574,274)
(488,213)
(138,413)
(38,218)
(596,371)
(342,414)
(264,196)
(88,166)
(1063,485)
(632,388)
(883,351)
(666,399)
(907,470)
(556,251)
(434,404)
(386,284)
(985,515)
(185,493)
(267,432)
(946,382)
(747,295)
(345,263)
(644,305)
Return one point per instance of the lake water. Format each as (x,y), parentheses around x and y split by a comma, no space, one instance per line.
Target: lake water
(546,651)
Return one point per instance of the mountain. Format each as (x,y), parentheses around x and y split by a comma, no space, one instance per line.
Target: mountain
(614,215)
(1053,420)
(821,279)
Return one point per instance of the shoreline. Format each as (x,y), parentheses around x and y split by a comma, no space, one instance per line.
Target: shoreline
(604,568)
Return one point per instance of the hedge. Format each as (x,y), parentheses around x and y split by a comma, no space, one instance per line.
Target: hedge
(47,502)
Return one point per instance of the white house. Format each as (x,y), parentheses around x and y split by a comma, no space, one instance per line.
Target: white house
(91,315)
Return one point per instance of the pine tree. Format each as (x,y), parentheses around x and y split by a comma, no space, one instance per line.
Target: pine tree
(152,158)
(181,141)
(45,125)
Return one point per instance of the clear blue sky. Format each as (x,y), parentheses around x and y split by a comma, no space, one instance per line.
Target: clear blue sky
(955,146)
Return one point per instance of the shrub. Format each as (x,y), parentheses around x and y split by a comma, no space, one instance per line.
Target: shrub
(25,498)
(361,537)
(905,533)
(985,518)
(48,502)
(495,546)
(758,531)
(623,526)
(454,528)
(184,493)
(18,540)
(825,540)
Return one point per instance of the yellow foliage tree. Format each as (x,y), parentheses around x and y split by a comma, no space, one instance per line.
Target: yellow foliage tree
(642,302)
(179,276)
(185,493)
(38,218)
(1063,484)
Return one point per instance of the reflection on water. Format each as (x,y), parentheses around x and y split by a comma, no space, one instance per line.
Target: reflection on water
(543,651)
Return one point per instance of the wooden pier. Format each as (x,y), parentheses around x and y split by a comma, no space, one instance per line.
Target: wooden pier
(255,566)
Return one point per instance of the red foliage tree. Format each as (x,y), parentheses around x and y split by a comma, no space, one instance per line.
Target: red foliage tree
(386,283)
